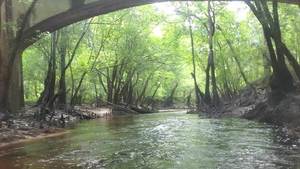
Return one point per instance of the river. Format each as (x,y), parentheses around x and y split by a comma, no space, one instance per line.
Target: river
(170,140)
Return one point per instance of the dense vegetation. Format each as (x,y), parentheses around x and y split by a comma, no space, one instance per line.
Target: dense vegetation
(196,53)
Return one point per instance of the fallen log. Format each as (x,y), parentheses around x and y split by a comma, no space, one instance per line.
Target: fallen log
(142,110)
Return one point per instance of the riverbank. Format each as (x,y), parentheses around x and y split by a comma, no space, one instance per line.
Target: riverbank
(24,127)
(258,104)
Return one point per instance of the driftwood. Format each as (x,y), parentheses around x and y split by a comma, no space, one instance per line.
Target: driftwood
(83,114)
(118,108)
(129,109)
(142,110)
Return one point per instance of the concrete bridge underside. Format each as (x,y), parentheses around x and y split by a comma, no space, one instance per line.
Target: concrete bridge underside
(48,17)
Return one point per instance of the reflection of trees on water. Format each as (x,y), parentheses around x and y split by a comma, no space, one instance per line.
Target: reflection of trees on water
(120,122)
(36,154)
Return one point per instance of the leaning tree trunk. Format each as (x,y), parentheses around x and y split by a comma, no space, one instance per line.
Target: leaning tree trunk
(62,92)
(153,96)
(170,100)
(235,58)
(197,89)
(74,97)
(282,80)
(143,92)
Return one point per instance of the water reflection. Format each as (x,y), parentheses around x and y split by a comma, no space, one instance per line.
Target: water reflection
(165,140)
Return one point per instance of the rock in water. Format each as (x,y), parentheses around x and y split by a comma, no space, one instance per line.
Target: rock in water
(2,116)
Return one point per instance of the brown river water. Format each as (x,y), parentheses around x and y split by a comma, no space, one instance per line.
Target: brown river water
(170,140)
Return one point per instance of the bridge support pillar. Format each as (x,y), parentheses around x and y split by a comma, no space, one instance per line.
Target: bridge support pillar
(16,90)
(11,82)
(3,74)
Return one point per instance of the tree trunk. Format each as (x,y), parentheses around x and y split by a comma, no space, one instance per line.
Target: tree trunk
(153,96)
(170,99)
(4,75)
(143,92)
(235,57)
(267,63)
(292,60)
(97,97)
(207,97)
(188,100)
(109,87)
(72,81)
(49,86)
(129,98)
(62,98)
(74,98)
(211,33)
(281,80)
(197,89)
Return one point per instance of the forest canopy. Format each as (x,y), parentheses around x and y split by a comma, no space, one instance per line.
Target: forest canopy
(156,54)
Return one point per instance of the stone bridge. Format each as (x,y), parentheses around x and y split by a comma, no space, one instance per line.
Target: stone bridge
(22,21)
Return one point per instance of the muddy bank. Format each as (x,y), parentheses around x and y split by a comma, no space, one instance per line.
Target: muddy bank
(18,130)
(286,114)
(24,126)
(256,104)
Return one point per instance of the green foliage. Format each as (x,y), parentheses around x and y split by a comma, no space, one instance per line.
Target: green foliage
(148,42)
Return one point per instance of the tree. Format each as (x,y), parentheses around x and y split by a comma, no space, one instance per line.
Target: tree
(199,95)
(210,69)
(48,97)
(62,91)
(282,80)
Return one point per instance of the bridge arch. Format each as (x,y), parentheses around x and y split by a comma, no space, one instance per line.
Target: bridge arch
(90,8)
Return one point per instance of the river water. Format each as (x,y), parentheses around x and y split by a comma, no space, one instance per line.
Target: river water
(172,140)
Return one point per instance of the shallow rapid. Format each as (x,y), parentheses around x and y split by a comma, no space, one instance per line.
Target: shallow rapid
(170,140)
